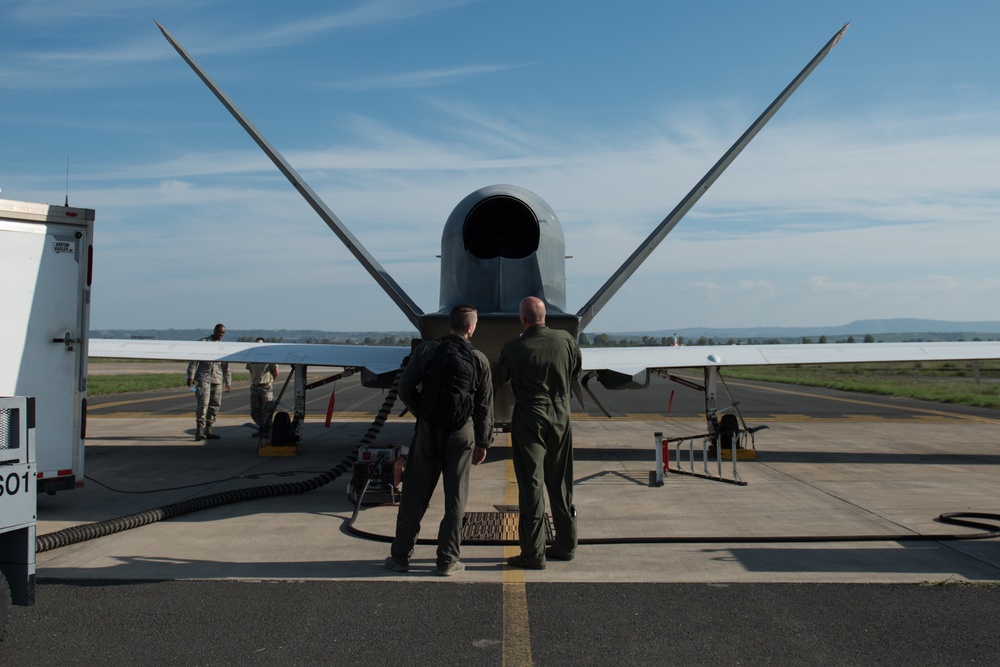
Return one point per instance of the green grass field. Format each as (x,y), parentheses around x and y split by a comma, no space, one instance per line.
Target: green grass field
(106,385)
(943,382)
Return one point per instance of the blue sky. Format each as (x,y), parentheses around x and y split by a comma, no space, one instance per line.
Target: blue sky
(872,194)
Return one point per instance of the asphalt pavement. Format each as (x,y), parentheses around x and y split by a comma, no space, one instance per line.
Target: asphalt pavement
(830,553)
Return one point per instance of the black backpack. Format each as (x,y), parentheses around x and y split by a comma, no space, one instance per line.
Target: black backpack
(449,385)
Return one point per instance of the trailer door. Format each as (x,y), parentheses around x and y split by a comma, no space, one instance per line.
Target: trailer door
(43,341)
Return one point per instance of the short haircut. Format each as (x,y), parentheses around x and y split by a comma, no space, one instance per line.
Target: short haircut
(461,317)
(532,309)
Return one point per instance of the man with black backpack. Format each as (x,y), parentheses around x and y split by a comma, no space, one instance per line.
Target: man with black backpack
(447,386)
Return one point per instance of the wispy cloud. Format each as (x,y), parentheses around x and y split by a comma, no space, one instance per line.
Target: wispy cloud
(116,59)
(807,177)
(815,218)
(285,33)
(48,13)
(366,13)
(421,78)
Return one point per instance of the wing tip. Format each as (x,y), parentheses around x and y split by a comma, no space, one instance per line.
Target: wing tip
(840,33)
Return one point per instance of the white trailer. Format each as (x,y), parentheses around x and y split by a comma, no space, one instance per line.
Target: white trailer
(46,260)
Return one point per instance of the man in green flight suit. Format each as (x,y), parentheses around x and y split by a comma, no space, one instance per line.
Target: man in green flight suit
(442,453)
(541,365)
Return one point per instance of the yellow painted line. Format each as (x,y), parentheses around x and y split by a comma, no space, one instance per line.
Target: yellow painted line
(311,418)
(144,415)
(132,402)
(857,401)
(943,418)
(934,418)
(516,629)
(316,417)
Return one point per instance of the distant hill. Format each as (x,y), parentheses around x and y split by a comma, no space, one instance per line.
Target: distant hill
(898,329)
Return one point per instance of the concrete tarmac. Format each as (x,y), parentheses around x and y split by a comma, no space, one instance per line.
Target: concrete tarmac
(831,553)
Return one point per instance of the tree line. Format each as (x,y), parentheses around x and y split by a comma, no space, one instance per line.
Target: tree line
(598,340)
(384,341)
(604,340)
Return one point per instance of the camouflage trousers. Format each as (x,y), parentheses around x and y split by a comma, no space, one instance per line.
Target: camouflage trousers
(260,402)
(209,395)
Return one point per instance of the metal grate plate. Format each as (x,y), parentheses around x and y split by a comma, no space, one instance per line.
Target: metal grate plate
(498,527)
(9,436)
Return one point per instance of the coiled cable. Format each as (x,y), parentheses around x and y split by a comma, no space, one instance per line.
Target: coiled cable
(90,531)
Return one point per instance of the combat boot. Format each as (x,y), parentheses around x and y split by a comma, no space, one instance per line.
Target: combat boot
(209,435)
(198,435)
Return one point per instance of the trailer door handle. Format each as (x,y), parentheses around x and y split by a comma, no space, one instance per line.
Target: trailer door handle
(68,340)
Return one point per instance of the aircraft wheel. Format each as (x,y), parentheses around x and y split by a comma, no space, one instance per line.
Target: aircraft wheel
(729,425)
(281,430)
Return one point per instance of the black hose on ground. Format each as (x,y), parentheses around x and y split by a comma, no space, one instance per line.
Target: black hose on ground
(90,531)
(955,518)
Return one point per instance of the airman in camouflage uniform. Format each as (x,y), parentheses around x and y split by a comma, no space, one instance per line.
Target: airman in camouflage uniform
(541,365)
(262,376)
(208,378)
